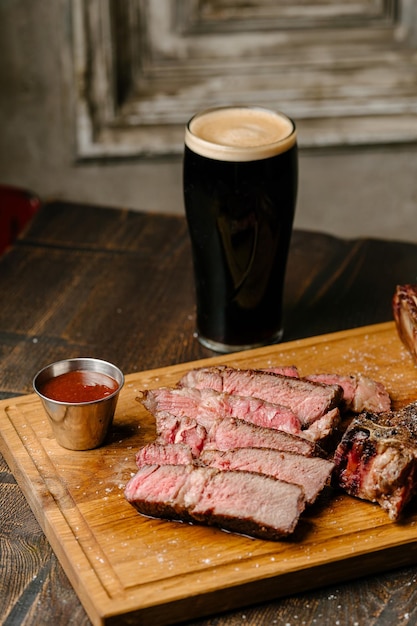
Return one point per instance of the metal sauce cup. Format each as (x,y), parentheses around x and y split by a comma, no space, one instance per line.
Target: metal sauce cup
(79,425)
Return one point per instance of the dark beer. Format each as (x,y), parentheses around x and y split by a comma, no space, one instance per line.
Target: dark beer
(240,189)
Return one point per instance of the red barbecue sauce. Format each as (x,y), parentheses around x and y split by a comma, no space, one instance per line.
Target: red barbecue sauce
(79,386)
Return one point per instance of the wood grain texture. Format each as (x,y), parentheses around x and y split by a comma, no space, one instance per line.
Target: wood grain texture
(122,564)
(345,71)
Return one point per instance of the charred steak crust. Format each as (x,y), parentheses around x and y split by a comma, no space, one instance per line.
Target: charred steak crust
(376,459)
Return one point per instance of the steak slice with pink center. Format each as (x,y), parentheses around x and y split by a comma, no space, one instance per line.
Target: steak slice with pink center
(226,433)
(192,402)
(242,502)
(308,400)
(311,473)
(166,454)
(284,370)
(360,393)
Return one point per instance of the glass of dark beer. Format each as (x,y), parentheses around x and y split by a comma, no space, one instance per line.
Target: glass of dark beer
(240,188)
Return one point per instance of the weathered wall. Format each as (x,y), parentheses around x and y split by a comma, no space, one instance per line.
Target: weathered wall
(348,192)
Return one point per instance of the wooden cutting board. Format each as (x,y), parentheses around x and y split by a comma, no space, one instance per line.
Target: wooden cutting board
(126,567)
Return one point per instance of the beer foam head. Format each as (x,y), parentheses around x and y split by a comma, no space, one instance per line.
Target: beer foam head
(239,133)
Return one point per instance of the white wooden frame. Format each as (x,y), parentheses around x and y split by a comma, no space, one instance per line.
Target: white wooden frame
(345,71)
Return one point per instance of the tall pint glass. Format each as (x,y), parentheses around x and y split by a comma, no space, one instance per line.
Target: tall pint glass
(240,180)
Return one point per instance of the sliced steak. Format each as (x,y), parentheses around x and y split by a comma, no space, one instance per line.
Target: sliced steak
(307,399)
(360,393)
(243,502)
(323,428)
(227,433)
(192,402)
(311,473)
(181,430)
(284,370)
(167,454)
(376,459)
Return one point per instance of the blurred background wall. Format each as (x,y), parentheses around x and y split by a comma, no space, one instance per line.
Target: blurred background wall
(81,79)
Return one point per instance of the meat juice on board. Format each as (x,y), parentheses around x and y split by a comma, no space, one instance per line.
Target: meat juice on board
(240,189)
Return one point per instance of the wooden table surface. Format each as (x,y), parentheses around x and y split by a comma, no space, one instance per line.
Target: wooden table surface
(117,285)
